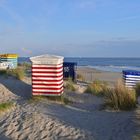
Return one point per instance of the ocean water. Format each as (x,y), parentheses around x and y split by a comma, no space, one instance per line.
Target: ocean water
(106,64)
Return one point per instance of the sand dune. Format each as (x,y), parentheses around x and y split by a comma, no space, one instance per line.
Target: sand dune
(82,120)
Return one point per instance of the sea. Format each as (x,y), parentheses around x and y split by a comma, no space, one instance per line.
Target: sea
(105,64)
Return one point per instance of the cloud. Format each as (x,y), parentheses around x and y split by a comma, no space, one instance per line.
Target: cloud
(26,51)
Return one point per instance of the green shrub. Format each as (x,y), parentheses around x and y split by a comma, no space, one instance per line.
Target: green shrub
(18,73)
(60,99)
(96,88)
(137,89)
(69,85)
(3,72)
(120,98)
(35,99)
(25,65)
(5,106)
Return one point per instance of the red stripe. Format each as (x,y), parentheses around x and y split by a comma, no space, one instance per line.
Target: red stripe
(47,88)
(34,84)
(48,68)
(48,72)
(39,92)
(45,93)
(41,80)
(42,76)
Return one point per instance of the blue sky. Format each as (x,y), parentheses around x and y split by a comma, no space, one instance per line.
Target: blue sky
(77,28)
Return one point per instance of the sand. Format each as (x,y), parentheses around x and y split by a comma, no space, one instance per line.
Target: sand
(47,120)
(91,74)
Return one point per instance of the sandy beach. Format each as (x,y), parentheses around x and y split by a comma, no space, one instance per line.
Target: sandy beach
(84,119)
(91,74)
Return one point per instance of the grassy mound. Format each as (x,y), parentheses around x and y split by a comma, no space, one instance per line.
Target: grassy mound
(137,89)
(18,73)
(5,106)
(120,97)
(60,99)
(69,85)
(96,88)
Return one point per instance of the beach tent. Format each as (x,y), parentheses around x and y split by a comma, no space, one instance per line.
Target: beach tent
(69,69)
(47,75)
(131,78)
(6,65)
(11,58)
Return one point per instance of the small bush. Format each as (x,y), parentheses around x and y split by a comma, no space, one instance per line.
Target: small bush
(5,106)
(69,85)
(120,98)
(25,65)
(137,89)
(60,99)
(35,99)
(96,88)
(3,72)
(18,73)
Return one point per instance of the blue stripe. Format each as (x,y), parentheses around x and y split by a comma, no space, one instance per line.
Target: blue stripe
(131,72)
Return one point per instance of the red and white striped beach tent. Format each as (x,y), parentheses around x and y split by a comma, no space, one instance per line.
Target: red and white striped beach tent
(47,75)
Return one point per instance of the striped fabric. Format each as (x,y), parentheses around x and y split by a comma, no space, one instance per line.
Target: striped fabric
(13,60)
(47,79)
(131,78)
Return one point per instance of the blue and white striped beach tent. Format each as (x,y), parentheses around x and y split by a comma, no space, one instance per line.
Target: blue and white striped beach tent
(131,78)
(12,58)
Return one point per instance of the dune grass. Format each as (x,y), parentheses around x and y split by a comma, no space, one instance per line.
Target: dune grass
(137,89)
(120,97)
(96,88)
(25,65)
(18,73)
(5,106)
(3,72)
(69,85)
(60,99)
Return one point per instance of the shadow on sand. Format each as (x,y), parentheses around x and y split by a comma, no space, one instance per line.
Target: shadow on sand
(3,137)
(17,87)
(107,125)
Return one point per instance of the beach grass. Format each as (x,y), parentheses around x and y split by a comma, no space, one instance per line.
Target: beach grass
(96,88)
(26,65)
(3,72)
(5,106)
(120,97)
(18,73)
(69,85)
(137,89)
(60,99)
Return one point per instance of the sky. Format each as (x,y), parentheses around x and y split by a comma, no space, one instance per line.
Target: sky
(71,28)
